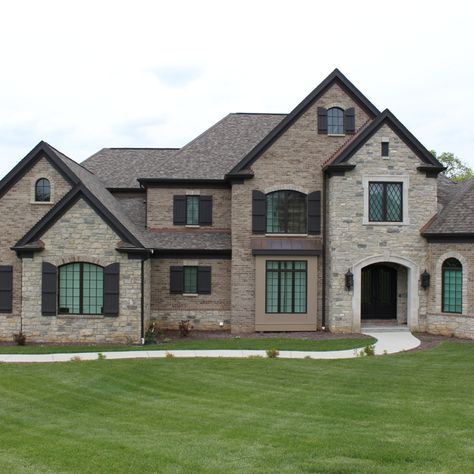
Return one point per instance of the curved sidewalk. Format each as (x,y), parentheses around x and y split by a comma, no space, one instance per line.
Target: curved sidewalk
(387,343)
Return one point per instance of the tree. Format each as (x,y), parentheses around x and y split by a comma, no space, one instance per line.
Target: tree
(456,169)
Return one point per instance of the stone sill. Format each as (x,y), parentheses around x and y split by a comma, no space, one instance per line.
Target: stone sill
(392,224)
(336,134)
(286,235)
(192,226)
(450,315)
(42,203)
(190,294)
(80,316)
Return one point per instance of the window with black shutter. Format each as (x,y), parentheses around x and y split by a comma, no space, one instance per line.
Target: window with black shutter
(190,279)
(192,210)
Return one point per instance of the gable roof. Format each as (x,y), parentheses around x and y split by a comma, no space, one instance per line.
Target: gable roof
(87,186)
(385,118)
(41,150)
(336,77)
(121,167)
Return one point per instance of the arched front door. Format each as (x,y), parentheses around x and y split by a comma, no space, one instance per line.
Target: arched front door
(379,292)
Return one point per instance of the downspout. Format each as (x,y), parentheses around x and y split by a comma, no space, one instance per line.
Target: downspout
(142,318)
(324,213)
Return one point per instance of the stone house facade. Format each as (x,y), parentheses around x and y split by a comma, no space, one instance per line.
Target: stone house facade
(327,218)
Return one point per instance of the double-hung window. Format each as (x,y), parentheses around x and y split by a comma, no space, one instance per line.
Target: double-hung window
(192,210)
(385,202)
(286,286)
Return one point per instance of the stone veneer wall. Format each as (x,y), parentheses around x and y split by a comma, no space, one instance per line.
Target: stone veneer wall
(160,206)
(294,161)
(18,213)
(350,241)
(450,324)
(81,235)
(205,311)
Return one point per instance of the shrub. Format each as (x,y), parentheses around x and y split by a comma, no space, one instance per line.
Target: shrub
(367,351)
(169,355)
(76,359)
(101,356)
(184,327)
(152,333)
(273,353)
(20,338)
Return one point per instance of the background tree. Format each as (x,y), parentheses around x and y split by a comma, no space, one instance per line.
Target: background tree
(456,170)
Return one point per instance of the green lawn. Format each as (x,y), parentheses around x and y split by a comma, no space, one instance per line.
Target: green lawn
(406,413)
(234,343)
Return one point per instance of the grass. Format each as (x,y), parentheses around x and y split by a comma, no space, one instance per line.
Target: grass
(407,413)
(281,344)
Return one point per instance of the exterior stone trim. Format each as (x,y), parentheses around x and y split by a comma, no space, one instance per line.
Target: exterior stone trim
(413,300)
(286,187)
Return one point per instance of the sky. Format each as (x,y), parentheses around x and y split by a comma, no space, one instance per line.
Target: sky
(83,75)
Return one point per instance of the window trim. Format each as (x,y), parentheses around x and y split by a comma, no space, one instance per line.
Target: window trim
(280,271)
(443,297)
(405,180)
(286,233)
(81,290)
(384,201)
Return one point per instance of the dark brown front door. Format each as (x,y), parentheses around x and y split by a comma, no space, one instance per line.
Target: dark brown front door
(379,292)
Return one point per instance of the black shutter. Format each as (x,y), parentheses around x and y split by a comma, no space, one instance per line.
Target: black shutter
(205,210)
(179,210)
(349,120)
(6,287)
(112,289)
(176,280)
(322,120)
(258,212)
(204,280)
(49,290)
(314,212)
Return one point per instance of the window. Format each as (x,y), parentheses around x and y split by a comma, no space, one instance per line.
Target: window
(192,210)
(190,280)
(385,202)
(286,286)
(286,212)
(43,190)
(335,121)
(452,286)
(385,149)
(81,288)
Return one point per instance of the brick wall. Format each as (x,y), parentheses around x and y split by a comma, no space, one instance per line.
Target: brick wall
(18,213)
(294,161)
(206,311)
(160,206)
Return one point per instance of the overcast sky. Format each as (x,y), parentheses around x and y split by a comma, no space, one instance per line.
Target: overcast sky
(85,75)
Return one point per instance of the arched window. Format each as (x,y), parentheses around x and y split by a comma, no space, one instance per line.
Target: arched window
(335,121)
(81,288)
(286,212)
(42,190)
(452,286)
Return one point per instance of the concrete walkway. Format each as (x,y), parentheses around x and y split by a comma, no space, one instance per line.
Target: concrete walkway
(388,342)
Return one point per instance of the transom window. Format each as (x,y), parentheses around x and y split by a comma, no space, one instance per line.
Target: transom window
(452,286)
(385,202)
(190,280)
(336,121)
(81,288)
(192,210)
(43,190)
(286,286)
(286,212)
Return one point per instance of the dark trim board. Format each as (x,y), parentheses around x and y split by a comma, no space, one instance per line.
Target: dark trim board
(179,183)
(126,190)
(336,77)
(193,253)
(460,238)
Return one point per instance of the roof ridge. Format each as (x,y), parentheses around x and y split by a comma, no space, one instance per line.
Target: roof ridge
(138,148)
(258,113)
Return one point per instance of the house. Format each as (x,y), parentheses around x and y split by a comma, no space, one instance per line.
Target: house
(323,218)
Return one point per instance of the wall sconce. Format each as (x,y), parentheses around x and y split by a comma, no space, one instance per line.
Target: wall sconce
(349,280)
(425,280)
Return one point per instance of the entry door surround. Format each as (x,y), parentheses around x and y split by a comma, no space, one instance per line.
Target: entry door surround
(413,299)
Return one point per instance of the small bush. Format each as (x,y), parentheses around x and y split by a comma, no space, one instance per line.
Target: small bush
(273,353)
(76,359)
(184,327)
(169,355)
(20,338)
(152,333)
(101,356)
(367,351)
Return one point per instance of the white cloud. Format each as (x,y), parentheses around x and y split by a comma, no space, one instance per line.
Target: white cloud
(84,75)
